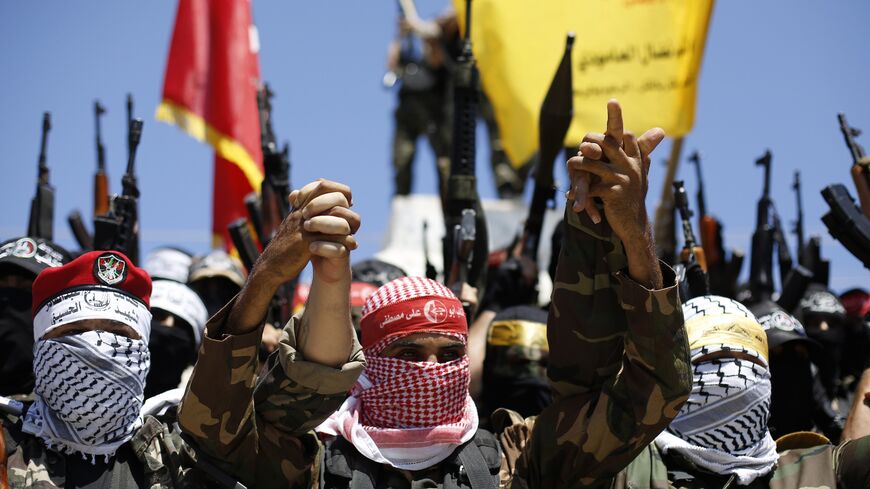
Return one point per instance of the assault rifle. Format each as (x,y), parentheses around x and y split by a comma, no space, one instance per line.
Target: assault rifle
(461,192)
(101,182)
(273,204)
(722,271)
(276,165)
(860,164)
(41,223)
(119,229)
(848,223)
(693,276)
(556,113)
(761,265)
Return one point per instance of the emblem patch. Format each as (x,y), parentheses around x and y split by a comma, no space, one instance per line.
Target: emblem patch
(435,311)
(24,248)
(110,269)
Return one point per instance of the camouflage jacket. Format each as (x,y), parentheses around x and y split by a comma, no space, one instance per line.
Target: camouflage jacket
(619,368)
(842,466)
(257,424)
(619,365)
(155,458)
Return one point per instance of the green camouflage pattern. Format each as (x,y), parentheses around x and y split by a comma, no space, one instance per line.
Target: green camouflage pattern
(842,466)
(167,461)
(619,365)
(259,427)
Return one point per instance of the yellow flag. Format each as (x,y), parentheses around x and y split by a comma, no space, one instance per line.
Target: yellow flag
(645,53)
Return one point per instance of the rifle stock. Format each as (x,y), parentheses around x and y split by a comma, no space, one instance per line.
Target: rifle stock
(101,180)
(80,232)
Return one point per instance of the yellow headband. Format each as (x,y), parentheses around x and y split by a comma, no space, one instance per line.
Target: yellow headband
(518,332)
(727,329)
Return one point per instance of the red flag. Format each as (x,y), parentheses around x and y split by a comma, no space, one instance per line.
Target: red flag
(210,91)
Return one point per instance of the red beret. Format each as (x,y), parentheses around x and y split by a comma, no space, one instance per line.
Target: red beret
(96,268)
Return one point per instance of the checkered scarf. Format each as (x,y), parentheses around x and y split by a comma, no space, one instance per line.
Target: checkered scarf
(723,425)
(89,389)
(410,415)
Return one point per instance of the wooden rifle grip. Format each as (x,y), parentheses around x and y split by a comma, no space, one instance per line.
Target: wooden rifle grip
(101,194)
(709,233)
(699,257)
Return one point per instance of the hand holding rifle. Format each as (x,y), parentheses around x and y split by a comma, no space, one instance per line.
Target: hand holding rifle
(614,167)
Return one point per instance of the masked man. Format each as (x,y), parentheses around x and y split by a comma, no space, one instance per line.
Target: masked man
(179,317)
(720,437)
(618,364)
(91,321)
(21,260)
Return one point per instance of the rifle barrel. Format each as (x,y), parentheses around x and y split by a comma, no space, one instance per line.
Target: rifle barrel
(99,110)
(46,127)
(133,144)
(695,158)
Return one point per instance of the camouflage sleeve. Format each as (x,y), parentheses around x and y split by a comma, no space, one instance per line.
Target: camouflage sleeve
(262,434)
(850,463)
(619,364)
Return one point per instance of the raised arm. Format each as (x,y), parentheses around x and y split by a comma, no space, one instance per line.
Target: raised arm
(619,360)
(261,435)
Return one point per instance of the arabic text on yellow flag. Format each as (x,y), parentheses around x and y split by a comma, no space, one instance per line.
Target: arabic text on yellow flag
(646,53)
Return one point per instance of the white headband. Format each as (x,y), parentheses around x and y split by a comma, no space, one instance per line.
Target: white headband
(180,300)
(92,303)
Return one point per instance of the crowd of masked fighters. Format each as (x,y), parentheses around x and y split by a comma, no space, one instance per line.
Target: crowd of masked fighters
(166,373)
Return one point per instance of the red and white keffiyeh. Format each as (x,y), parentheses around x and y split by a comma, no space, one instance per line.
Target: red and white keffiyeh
(411,415)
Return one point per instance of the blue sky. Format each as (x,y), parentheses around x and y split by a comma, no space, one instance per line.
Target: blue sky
(774,76)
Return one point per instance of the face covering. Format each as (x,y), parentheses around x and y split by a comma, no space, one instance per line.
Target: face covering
(792,396)
(722,428)
(16,342)
(89,390)
(527,396)
(829,361)
(172,350)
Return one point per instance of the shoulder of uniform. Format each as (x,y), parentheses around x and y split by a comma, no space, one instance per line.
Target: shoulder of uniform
(800,440)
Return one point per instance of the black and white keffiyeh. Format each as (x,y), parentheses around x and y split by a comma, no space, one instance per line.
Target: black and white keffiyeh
(723,425)
(89,391)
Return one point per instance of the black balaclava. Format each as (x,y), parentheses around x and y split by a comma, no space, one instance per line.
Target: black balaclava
(173,349)
(215,292)
(515,366)
(791,406)
(819,304)
(16,342)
